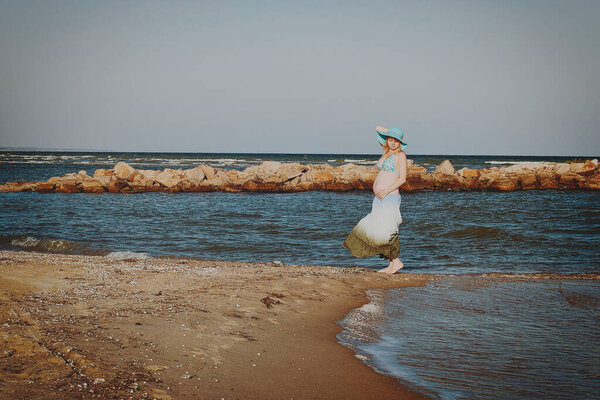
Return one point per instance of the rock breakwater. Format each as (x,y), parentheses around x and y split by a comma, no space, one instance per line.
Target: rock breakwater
(271,176)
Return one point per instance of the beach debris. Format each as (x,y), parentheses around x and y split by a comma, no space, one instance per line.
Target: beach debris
(277,263)
(269,302)
(155,368)
(160,394)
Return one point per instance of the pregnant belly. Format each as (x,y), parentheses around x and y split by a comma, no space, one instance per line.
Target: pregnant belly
(383,180)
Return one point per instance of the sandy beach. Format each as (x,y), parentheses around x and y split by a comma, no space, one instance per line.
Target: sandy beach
(173,328)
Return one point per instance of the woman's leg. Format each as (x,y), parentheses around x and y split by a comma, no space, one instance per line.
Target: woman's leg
(395,266)
(385,270)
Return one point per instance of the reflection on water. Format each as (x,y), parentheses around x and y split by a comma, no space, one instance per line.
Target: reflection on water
(481,337)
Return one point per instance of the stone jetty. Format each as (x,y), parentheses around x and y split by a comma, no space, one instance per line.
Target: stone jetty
(271,176)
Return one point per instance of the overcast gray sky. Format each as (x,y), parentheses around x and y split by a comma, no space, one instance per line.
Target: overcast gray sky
(459,77)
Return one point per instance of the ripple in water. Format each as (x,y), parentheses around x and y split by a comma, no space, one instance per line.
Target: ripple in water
(485,338)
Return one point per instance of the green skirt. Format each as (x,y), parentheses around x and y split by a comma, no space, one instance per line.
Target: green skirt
(359,248)
(377,233)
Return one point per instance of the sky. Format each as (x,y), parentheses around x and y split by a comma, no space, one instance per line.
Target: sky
(458,77)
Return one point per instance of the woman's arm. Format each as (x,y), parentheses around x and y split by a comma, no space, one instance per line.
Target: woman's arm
(401,167)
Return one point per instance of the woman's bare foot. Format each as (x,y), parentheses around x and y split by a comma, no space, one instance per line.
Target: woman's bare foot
(386,269)
(395,266)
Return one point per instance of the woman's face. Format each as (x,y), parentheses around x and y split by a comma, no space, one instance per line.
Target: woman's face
(393,143)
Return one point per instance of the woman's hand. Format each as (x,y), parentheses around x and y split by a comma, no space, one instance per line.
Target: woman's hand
(381,194)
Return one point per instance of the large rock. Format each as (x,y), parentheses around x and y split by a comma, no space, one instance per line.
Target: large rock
(547,178)
(140,186)
(528,180)
(469,173)
(418,180)
(254,186)
(322,176)
(124,171)
(45,187)
(471,184)
(18,186)
(593,182)
(367,176)
(269,167)
(411,169)
(288,172)
(346,172)
(103,172)
(585,169)
(209,171)
(67,184)
(570,180)
(92,186)
(146,175)
(505,183)
(217,181)
(443,180)
(194,175)
(268,172)
(445,168)
(489,174)
(115,184)
(168,178)
(247,175)
(338,186)
(103,179)
(525,167)
(562,168)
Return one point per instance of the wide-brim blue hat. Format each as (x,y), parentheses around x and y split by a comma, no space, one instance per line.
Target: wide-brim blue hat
(392,132)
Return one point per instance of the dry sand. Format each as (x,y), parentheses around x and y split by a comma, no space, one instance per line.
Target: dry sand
(76,327)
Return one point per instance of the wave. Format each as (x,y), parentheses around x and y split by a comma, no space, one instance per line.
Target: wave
(521,163)
(63,246)
(47,245)
(475,232)
(542,275)
(360,161)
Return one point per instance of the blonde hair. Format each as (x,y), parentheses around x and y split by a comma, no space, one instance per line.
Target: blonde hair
(386,148)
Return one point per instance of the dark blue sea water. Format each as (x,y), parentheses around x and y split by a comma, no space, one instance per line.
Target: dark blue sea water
(443,233)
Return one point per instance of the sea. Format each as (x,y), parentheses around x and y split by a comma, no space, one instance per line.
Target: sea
(512,310)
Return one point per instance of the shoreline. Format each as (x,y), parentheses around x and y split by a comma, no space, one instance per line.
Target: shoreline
(88,326)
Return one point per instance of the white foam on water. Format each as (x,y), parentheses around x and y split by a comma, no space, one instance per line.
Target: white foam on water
(371,308)
(525,163)
(27,241)
(351,160)
(121,255)
(43,244)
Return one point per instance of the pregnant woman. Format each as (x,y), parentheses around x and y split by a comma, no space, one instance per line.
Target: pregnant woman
(377,233)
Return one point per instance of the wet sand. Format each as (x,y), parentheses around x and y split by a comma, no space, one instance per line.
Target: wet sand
(77,327)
